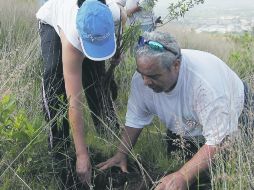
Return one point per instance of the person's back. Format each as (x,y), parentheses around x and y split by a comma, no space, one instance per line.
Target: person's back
(213,72)
(213,88)
(77,36)
(53,12)
(61,14)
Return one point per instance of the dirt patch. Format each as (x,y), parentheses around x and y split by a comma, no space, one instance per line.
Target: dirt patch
(115,179)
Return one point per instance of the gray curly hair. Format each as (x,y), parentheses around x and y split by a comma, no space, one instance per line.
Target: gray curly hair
(167,56)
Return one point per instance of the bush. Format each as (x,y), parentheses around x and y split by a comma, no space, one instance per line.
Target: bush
(22,148)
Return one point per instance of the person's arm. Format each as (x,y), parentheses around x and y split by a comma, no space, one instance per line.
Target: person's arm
(133,9)
(137,117)
(187,174)
(128,140)
(123,15)
(72,71)
(199,163)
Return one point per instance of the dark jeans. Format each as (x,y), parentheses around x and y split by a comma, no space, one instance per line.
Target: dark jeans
(246,117)
(99,99)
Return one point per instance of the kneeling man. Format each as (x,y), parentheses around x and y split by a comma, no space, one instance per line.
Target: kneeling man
(193,92)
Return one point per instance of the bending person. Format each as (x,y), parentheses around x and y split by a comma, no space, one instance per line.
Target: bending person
(196,95)
(76,39)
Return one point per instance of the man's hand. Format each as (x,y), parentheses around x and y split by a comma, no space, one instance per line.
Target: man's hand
(174,181)
(119,160)
(84,169)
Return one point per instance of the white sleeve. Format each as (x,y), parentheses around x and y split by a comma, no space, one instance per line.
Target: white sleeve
(137,115)
(67,22)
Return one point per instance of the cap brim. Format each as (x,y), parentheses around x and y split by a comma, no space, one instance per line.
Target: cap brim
(99,51)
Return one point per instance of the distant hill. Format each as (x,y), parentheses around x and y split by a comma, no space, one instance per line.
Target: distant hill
(215,15)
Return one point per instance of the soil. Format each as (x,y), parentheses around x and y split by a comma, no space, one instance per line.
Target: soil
(115,179)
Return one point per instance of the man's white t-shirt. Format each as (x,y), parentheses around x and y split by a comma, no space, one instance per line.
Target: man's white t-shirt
(62,14)
(206,101)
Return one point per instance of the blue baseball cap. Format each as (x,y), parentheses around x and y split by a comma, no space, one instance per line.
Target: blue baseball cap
(95,26)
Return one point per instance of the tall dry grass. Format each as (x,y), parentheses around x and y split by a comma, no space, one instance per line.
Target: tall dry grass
(20,70)
(20,77)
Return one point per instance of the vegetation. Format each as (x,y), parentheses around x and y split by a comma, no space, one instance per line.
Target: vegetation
(24,159)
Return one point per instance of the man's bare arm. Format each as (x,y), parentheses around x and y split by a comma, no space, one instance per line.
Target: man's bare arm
(199,163)
(72,70)
(128,140)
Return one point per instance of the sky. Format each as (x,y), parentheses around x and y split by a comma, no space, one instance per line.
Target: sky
(161,6)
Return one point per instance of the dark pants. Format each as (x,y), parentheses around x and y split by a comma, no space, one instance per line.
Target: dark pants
(246,118)
(55,106)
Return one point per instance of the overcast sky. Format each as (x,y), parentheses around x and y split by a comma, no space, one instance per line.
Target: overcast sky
(161,5)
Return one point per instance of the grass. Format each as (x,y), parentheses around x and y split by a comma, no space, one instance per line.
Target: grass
(24,159)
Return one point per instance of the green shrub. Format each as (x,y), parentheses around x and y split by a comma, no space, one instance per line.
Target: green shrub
(22,147)
(241,58)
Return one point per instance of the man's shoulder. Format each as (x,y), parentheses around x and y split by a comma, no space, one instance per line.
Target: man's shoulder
(195,52)
(137,80)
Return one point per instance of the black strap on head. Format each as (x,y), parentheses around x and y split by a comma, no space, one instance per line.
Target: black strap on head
(119,32)
(80,2)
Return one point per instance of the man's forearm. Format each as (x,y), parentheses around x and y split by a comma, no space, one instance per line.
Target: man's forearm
(77,126)
(72,71)
(133,10)
(76,117)
(129,139)
(199,163)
